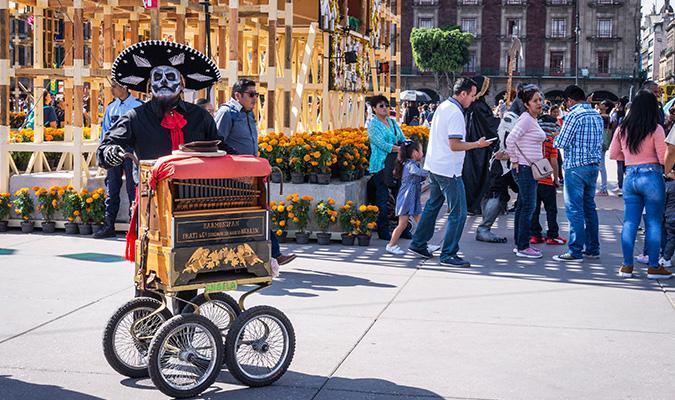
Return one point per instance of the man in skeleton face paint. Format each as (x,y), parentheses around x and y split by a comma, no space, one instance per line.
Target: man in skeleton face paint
(159,126)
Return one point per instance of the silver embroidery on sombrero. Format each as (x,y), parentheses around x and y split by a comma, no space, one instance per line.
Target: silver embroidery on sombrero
(178,59)
(142,62)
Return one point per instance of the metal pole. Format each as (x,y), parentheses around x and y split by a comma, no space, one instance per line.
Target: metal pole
(577,34)
(207,10)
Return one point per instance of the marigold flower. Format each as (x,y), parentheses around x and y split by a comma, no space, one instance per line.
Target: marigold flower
(89,200)
(363,208)
(96,196)
(282,223)
(76,213)
(54,203)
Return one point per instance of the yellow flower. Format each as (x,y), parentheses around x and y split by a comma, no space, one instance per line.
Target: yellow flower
(89,200)
(296,219)
(16,210)
(280,232)
(273,204)
(279,160)
(280,209)
(306,157)
(96,196)
(363,208)
(54,203)
(25,218)
(76,213)
(307,198)
(35,188)
(291,215)
(371,225)
(332,219)
(290,207)
(282,223)
(331,201)
(61,192)
(70,219)
(316,154)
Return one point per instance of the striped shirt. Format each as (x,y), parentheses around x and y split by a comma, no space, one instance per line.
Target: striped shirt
(581,137)
(528,136)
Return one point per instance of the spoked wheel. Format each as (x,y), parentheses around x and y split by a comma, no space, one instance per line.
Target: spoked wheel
(260,346)
(127,351)
(220,308)
(185,355)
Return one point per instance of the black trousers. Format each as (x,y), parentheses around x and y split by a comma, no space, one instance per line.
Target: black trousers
(546,194)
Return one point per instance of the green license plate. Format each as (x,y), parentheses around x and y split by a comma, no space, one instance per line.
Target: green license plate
(221,286)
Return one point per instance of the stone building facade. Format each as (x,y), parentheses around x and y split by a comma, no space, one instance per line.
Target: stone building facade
(609,33)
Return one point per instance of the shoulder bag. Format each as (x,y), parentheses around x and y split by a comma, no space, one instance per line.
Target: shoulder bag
(540,169)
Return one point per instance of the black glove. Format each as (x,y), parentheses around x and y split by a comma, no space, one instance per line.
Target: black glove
(113,155)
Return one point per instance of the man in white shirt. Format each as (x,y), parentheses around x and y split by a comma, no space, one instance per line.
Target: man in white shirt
(445,160)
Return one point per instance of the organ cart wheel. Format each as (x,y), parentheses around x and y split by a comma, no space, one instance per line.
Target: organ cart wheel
(219,307)
(128,334)
(185,355)
(260,346)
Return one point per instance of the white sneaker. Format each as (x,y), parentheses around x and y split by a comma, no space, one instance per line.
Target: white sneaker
(433,247)
(275,267)
(665,263)
(394,250)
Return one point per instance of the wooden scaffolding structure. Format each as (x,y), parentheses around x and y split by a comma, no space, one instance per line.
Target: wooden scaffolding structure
(280,44)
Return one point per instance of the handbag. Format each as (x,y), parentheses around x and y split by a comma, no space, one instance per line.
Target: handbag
(389,164)
(540,169)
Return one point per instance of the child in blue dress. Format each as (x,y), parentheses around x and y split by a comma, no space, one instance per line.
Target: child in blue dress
(408,203)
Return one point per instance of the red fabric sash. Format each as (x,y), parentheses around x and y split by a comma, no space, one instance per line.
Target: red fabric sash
(174,122)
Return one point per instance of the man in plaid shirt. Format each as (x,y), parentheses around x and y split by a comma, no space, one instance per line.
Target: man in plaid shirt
(581,140)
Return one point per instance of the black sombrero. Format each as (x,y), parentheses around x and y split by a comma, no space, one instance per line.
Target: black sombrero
(133,65)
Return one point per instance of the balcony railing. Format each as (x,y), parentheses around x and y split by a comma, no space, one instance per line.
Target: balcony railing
(514,2)
(425,2)
(559,3)
(468,3)
(604,38)
(593,73)
(606,3)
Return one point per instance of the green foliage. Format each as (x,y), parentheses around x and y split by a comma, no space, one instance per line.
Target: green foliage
(440,50)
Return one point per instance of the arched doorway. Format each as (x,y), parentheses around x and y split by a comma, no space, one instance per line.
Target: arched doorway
(435,98)
(555,96)
(600,95)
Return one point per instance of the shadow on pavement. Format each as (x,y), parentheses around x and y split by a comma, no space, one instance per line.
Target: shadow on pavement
(11,388)
(300,283)
(299,386)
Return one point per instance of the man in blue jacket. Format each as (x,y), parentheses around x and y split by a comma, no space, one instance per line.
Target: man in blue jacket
(124,101)
(237,127)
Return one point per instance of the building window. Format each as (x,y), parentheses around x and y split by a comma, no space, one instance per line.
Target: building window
(559,27)
(513,26)
(603,62)
(557,66)
(425,22)
(469,2)
(471,65)
(470,25)
(605,27)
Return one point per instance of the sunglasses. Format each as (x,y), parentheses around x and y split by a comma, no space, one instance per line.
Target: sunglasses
(251,94)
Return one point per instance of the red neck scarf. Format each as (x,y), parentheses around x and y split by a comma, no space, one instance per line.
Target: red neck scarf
(174,122)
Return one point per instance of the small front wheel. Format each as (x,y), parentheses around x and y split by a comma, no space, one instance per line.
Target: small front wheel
(260,345)
(220,308)
(185,355)
(127,335)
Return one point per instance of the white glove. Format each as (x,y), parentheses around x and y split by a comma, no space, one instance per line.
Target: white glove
(113,155)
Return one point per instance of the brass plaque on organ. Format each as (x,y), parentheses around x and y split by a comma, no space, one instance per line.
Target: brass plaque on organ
(203,230)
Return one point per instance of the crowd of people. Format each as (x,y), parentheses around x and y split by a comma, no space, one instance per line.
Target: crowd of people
(477,155)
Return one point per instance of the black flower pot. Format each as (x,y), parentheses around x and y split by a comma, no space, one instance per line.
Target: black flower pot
(71,228)
(359,174)
(323,238)
(297,178)
(85,229)
(347,239)
(323,179)
(3,226)
(26,226)
(48,227)
(363,239)
(313,177)
(302,237)
(277,177)
(346,176)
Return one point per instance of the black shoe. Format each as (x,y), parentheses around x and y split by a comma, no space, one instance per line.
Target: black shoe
(424,253)
(455,261)
(107,231)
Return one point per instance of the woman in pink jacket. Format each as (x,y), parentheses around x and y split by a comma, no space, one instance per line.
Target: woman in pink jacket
(524,145)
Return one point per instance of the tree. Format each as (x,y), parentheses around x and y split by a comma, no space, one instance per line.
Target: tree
(441,51)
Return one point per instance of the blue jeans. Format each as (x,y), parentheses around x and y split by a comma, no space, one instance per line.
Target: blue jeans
(442,189)
(580,208)
(525,205)
(276,250)
(643,187)
(113,184)
(382,202)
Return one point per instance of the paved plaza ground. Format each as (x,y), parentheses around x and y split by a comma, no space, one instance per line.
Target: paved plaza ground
(369,325)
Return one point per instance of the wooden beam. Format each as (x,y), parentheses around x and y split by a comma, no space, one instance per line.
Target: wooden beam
(302,76)
(4,96)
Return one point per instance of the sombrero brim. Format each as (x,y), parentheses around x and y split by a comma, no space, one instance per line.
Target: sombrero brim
(133,65)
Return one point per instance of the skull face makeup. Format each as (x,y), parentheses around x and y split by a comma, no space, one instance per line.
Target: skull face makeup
(165,83)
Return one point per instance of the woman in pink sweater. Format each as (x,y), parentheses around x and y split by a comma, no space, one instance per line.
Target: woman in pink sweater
(524,145)
(640,142)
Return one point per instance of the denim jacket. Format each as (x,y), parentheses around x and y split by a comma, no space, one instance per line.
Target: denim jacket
(237,129)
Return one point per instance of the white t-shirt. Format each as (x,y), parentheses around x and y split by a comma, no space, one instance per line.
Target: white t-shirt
(448,123)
